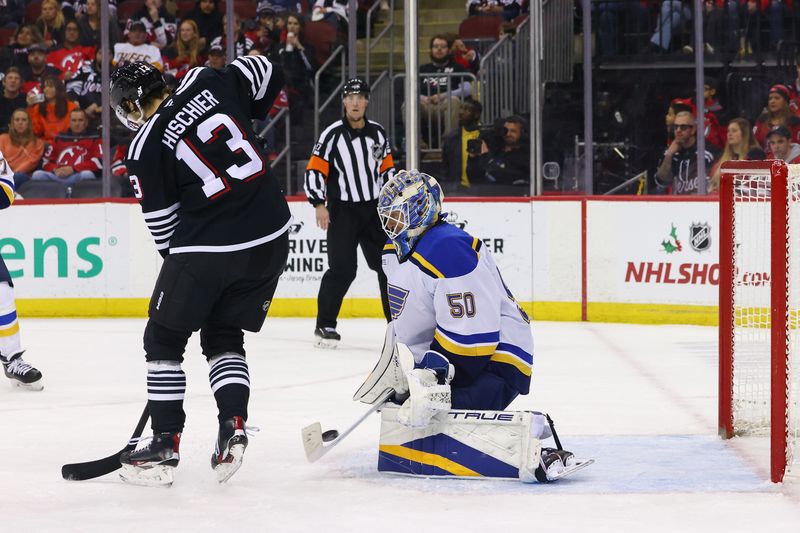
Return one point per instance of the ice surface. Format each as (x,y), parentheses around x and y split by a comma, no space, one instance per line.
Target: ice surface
(641,400)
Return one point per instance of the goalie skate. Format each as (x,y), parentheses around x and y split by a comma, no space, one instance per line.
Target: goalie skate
(557,464)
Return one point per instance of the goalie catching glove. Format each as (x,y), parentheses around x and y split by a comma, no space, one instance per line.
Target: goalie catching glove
(429,388)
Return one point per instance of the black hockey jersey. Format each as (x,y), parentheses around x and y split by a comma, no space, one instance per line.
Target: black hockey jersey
(196,166)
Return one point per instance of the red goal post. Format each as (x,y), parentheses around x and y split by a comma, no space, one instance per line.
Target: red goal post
(759,306)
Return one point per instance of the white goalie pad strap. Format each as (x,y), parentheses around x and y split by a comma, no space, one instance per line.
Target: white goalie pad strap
(462,444)
(387,374)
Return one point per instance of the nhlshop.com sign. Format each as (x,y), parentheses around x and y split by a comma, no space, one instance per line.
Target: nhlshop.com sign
(665,252)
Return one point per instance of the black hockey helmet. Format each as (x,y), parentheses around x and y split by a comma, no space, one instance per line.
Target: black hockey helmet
(355,86)
(131,84)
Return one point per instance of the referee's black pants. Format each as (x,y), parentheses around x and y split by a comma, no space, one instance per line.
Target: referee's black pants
(352,224)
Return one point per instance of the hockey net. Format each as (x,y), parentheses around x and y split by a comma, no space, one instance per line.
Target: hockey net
(759,306)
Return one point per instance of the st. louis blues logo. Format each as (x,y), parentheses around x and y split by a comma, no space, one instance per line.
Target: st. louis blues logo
(397,300)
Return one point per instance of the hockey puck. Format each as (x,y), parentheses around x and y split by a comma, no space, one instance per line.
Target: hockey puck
(329,435)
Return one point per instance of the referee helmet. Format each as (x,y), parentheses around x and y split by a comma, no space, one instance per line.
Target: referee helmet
(355,86)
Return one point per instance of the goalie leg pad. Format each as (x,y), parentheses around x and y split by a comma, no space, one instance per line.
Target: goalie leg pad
(461,444)
(387,374)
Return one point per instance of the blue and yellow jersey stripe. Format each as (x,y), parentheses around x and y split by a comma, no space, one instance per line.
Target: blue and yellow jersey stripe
(466,345)
(8,324)
(446,252)
(6,191)
(508,354)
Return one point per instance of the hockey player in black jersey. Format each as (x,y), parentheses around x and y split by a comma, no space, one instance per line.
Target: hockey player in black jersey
(220,220)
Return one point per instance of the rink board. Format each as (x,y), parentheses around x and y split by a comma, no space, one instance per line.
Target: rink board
(648,260)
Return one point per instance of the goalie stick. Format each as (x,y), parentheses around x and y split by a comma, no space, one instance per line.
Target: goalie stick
(106,465)
(313,438)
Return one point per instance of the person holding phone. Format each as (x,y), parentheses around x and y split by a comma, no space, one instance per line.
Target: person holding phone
(461,144)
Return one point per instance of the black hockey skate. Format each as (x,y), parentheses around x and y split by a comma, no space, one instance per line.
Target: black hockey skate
(229,449)
(326,338)
(555,464)
(152,465)
(21,373)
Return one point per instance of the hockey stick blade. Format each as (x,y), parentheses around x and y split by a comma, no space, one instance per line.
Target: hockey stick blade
(106,465)
(313,442)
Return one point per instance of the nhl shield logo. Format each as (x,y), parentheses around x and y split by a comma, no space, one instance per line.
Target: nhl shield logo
(377,151)
(700,236)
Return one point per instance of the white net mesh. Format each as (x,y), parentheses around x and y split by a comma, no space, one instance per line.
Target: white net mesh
(752,289)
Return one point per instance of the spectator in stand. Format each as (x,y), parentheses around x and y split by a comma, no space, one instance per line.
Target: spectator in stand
(85,87)
(36,70)
(440,96)
(12,14)
(136,49)
(781,145)
(185,52)
(714,132)
(267,34)
(74,155)
(469,58)
(71,56)
(51,117)
(677,171)
(16,53)
(208,20)
(241,43)
(331,11)
(760,14)
(13,98)
(777,113)
(721,25)
(286,6)
(216,57)
(158,23)
(299,65)
(21,148)
(89,23)
(77,9)
(462,145)
(510,9)
(741,146)
(630,14)
(673,15)
(51,23)
(508,160)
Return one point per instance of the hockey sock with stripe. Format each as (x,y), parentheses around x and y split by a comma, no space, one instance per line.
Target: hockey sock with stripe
(9,326)
(166,388)
(229,378)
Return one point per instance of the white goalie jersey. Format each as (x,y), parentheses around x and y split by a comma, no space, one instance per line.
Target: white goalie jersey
(449,297)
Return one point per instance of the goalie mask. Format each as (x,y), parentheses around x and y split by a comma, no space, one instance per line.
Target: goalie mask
(131,84)
(409,204)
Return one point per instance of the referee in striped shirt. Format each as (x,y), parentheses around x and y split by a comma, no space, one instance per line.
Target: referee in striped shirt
(350,163)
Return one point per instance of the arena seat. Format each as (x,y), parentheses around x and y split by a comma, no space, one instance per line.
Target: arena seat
(246,9)
(322,36)
(480,27)
(32,11)
(185,7)
(126,9)
(5,35)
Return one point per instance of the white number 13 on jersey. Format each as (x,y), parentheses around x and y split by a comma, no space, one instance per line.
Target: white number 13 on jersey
(208,132)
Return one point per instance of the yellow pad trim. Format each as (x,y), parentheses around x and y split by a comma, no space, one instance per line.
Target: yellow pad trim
(13,330)
(428,459)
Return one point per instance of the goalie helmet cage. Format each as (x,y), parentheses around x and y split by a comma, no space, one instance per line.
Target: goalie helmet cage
(759,306)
